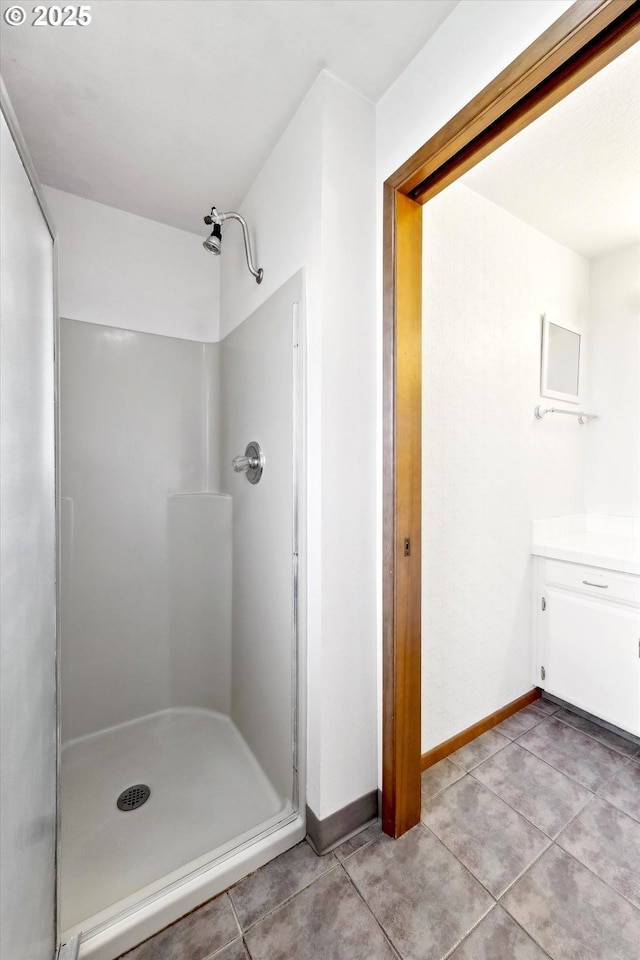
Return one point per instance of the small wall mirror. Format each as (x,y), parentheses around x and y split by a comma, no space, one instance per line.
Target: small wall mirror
(560,367)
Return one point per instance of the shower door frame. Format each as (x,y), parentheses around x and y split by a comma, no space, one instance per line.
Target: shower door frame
(581,42)
(9,115)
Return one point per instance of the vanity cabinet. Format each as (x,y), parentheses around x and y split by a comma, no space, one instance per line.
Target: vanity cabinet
(588,627)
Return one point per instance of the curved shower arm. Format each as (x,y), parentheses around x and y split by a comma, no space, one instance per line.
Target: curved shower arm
(220,218)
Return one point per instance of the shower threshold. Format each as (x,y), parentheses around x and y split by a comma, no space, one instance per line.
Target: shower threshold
(212,816)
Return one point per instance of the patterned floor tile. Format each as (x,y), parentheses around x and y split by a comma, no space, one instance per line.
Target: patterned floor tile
(349,847)
(548,706)
(423,897)
(439,776)
(572,752)
(518,723)
(498,937)
(235,951)
(267,888)
(195,937)
(571,913)
(624,790)
(493,841)
(539,792)
(478,750)
(327,921)
(608,842)
(610,739)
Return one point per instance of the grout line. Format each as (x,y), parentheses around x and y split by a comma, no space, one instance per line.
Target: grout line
(600,795)
(469,932)
(533,725)
(283,903)
(370,911)
(361,847)
(592,736)
(485,917)
(442,789)
(526,869)
(525,817)
(463,865)
(496,900)
(597,876)
(564,772)
(218,952)
(608,782)
(527,932)
(480,762)
(235,913)
(511,807)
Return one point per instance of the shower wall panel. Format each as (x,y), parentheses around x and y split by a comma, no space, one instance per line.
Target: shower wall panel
(258,404)
(199,568)
(135,431)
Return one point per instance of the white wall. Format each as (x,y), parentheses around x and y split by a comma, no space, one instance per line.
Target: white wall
(348,671)
(122,270)
(146,589)
(28,563)
(474,44)
(312,206)
(489,467)
(613,442)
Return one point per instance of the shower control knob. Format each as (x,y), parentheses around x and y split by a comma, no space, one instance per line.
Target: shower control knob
(251,464)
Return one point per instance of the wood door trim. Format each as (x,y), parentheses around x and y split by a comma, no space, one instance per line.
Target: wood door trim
(584,31)
(587,37)
(477,729)
(402,493)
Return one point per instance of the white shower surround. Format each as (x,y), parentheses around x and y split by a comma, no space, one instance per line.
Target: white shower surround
(151,574)
(134,433)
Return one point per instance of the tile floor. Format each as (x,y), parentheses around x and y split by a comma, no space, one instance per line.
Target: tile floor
(528,848)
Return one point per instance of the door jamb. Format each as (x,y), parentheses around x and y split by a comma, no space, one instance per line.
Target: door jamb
(581,42)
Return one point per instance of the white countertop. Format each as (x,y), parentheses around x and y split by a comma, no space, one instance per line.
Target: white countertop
(589,539)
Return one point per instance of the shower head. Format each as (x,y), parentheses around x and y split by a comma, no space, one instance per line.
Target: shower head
(213,243)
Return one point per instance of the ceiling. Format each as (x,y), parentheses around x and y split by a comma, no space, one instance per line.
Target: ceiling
(163,107)
(574,174)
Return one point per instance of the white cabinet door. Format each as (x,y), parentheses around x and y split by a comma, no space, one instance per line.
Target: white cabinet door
(592,656)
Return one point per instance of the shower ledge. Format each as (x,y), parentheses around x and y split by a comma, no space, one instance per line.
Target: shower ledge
(597,540)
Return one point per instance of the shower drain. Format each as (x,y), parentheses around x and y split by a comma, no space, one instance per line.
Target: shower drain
(134,796)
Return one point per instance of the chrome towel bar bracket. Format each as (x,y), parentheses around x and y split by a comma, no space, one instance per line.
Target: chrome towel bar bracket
(540,412)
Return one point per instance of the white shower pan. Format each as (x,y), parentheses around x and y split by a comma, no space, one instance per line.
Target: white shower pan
(208,792)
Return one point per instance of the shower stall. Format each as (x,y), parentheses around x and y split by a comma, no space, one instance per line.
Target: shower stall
(181,650)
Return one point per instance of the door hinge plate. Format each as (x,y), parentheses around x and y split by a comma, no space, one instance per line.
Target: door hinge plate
(543,673)
(543,603)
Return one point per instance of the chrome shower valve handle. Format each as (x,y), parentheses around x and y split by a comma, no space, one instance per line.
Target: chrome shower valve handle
(251,464)
(240,464)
